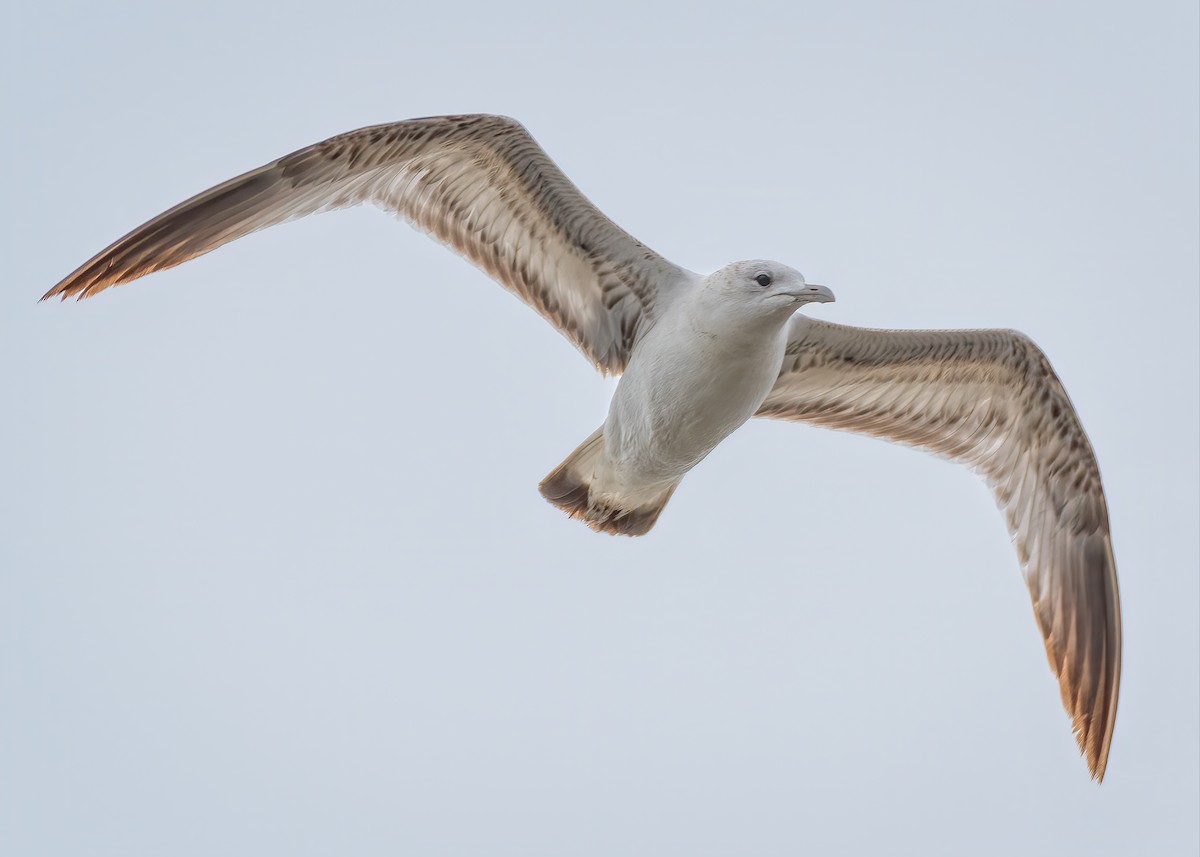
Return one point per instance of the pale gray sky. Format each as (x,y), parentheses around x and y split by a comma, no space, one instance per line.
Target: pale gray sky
(275,577)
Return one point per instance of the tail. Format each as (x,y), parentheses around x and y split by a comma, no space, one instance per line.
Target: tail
(569,487)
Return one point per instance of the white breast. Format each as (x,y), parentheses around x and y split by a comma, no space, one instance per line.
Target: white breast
(686,389)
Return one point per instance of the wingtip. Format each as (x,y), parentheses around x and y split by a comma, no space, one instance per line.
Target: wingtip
(64,288)
(1094,752)
(56,292)
(75,287)
(1097,760)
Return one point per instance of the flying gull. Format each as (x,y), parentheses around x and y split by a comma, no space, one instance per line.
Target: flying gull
(700,355)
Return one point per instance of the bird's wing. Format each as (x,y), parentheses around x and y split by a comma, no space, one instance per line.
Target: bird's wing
(990,399)
(479,183)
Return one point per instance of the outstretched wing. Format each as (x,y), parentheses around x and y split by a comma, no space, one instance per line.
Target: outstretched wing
(988,398)
(479,183)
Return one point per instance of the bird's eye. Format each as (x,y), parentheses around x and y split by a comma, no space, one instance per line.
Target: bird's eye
(763,280)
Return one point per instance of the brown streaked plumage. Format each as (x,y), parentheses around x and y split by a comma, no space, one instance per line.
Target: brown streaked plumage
(484,187)
(989,399)
(478,183)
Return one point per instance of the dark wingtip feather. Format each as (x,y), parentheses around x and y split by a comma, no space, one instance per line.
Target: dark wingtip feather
(194,227)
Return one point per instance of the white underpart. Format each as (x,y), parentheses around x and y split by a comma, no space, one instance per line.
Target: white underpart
(688,386)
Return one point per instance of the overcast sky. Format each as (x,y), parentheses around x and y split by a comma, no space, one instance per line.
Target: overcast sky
(275,577)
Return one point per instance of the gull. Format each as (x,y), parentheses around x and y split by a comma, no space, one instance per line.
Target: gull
(699,355)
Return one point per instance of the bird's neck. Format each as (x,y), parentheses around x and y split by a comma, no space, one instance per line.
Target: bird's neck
(712,320)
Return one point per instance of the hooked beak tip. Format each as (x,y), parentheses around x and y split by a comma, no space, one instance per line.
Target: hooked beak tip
(818,294)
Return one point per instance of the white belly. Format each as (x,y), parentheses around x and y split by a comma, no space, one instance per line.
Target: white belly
(681,395)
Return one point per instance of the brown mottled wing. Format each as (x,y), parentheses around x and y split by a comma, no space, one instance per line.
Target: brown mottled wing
(988,398)
(481,184)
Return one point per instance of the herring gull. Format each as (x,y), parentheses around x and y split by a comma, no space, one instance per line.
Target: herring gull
(700,355)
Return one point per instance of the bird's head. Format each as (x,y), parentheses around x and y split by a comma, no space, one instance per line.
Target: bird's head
(763,290)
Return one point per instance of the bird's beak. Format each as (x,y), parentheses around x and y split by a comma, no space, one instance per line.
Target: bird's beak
(811,294)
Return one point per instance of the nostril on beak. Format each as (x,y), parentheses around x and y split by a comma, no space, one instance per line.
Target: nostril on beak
(819,294)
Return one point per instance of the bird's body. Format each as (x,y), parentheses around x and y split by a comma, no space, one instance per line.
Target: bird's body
(701,355)
(695,377)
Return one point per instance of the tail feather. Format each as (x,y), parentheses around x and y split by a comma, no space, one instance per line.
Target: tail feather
(570,487)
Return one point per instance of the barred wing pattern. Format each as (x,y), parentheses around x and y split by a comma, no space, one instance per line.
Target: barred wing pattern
(478,183)
(990,399)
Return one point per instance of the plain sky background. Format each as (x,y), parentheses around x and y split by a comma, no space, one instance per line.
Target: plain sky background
(275,577)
